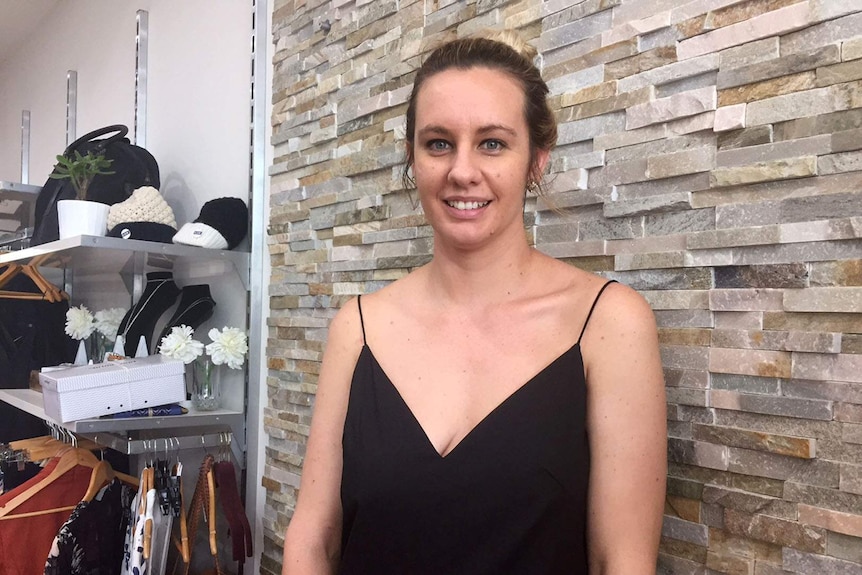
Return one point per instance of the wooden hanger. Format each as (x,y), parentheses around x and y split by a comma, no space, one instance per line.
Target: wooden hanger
(68,461)
(45,446)
(211,511)
(47,290)
(103,474)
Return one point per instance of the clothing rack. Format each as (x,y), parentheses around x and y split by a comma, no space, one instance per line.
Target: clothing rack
(220,439)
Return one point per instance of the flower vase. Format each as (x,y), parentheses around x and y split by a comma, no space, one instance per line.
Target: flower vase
(206,384)
(97,346)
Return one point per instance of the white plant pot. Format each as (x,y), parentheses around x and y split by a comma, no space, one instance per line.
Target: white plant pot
(80,217)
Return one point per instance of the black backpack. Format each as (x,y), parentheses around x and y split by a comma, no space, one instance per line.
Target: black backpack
(132,167)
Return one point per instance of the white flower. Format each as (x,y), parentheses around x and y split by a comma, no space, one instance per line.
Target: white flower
(179,344)
(229,346)
(108,321)
(79,323)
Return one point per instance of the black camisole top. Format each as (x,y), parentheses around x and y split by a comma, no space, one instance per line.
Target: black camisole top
(510,498)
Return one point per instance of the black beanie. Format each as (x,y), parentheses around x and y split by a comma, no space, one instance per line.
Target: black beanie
(222,224)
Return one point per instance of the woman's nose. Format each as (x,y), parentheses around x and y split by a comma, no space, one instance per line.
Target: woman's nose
(463,171)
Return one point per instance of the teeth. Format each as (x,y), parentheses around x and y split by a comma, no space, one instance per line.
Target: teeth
(467,205)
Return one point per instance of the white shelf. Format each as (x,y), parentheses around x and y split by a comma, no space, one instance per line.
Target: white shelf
(30,401)
(85,253)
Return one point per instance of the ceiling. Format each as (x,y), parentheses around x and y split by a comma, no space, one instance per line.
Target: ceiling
(18,20)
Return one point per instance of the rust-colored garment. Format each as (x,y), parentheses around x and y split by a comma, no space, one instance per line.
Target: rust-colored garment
(25,542)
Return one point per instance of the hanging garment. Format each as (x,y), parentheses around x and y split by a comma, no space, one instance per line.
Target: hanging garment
(26,540)
(91,541)
(240,530)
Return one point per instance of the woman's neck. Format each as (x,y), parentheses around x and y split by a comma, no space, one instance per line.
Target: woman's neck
(494,274)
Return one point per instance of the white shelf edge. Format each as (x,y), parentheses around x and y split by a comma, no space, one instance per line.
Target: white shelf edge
(30,401)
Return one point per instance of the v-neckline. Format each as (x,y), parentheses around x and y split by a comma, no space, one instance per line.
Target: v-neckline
(488,416)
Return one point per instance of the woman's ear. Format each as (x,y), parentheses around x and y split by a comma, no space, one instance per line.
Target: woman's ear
(540,161)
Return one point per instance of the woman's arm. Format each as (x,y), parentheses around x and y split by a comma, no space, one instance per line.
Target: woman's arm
(312,543)
(627,423)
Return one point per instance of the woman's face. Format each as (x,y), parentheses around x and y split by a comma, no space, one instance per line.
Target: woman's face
(472,155)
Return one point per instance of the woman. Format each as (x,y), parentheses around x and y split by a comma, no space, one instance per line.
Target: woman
(511,416)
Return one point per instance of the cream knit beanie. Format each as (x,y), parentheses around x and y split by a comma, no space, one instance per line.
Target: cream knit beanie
(145,205)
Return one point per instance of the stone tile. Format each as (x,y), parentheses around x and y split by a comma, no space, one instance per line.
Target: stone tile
(810,472)
(670,108)
(848,412)
(846,547)
(575,81)
(589,128)
(822,123)
(777,340)
(851,49)
(852,433)
(684,318)
(622,137)
(590,93)
(851,343)
(798,561)
(669,73)
(748,384)
(764,171)
(783,406)
(658,38)
(612,103)
(677,299)
(671,565)
(574,31)
(776,68)
(847,523)
(687,278)
(686,396)
(838,300)
(851,478)
(814,145)
(839,163)
(767,89)
(746,299)
(683,530)
(739,320)
(745,502)
(838,73)
(750,53)
(685,357)
(799,447)
(823,497)
(838,273)
(680,163)
(773,530)
(766,276)
(828,322)
(831,9)
(846,141)
(624,262)
(729,118)
(819,367)
(697,453)
(640,62)
(632,28)
(746,137)
(776,22)
(806,103)
(829,32)
(619,173)
(669,145)
(679,222)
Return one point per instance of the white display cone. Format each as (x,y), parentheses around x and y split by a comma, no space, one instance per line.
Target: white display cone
(119,346)
(81,356)
(142,348)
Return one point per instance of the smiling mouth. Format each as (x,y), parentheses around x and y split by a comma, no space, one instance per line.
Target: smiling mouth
(466,205)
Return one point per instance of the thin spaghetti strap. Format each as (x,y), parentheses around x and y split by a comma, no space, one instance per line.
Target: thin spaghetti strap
(361,321)
(590,313)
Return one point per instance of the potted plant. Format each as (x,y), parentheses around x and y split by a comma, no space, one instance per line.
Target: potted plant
(79,216)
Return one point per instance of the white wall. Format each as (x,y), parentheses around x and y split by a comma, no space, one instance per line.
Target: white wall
(198,98)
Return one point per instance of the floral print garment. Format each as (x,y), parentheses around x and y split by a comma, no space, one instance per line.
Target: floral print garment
(91,541)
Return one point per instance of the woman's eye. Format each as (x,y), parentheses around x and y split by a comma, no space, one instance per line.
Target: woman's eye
(493,145)
(438,145)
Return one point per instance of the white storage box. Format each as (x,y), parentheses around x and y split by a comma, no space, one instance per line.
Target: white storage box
(112,387)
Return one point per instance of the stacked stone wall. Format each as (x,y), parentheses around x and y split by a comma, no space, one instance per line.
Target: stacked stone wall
(710,156)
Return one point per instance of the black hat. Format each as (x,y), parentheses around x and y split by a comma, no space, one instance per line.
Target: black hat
(222,224)
(147,231)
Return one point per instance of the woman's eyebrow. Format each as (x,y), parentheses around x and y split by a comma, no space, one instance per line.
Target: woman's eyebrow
(434,129)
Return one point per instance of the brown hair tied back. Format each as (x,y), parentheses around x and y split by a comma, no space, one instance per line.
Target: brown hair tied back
(502,50)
